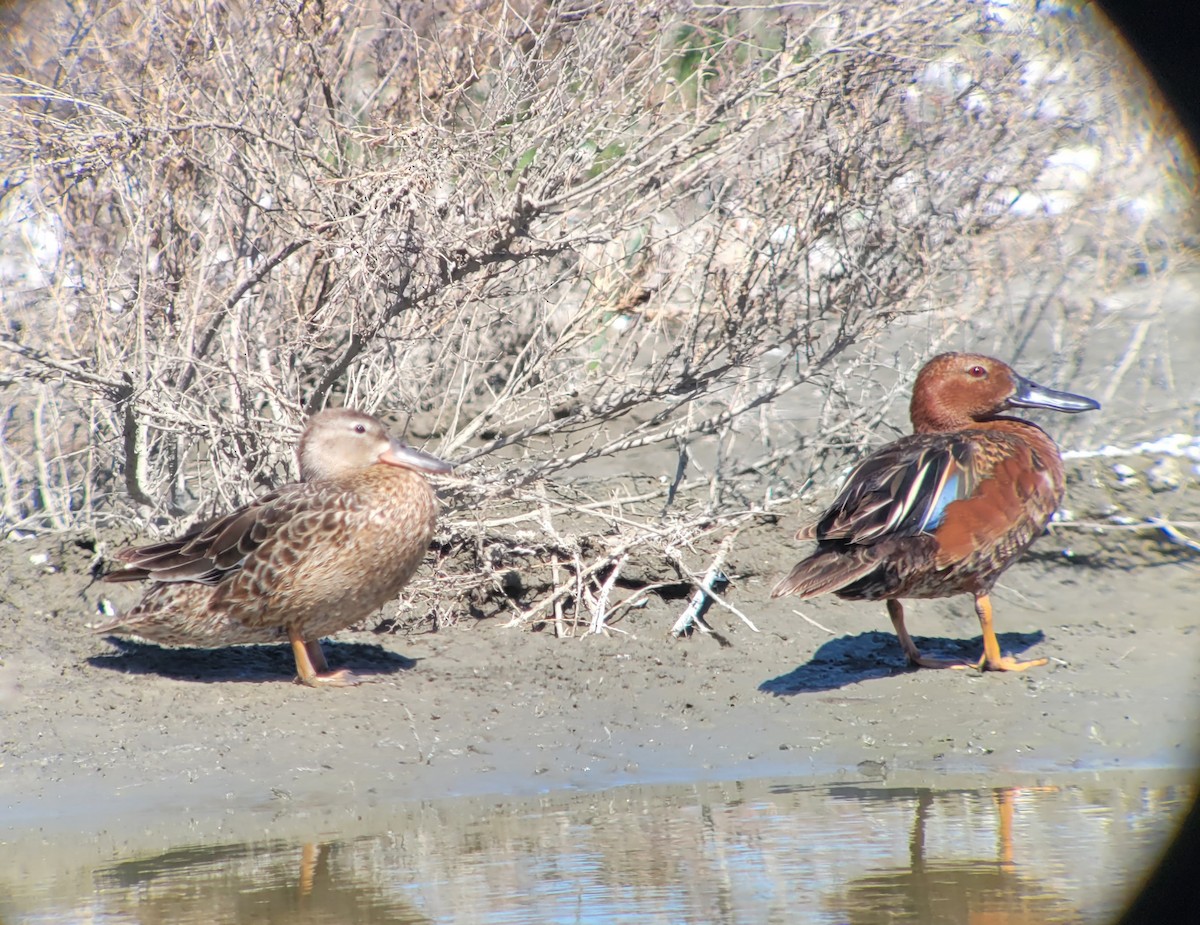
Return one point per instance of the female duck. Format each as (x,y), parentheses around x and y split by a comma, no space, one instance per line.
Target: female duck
(300,562)
(946,510)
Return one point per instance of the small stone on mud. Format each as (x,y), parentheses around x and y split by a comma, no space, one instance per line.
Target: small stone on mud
(1164,475)
(1126,475)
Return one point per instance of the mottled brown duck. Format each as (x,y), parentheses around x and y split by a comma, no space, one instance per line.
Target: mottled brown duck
(300,562)
(947,509)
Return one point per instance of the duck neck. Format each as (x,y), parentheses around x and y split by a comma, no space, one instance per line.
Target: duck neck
(932,421)
(1010,424)
(930,417)
(941,425)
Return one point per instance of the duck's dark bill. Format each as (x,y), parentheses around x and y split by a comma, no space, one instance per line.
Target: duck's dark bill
(398,454)
(1031,395)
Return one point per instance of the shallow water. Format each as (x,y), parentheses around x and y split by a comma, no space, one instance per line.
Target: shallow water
(1067,850)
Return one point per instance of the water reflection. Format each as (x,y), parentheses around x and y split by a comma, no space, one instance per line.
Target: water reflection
(928,891)
(273,883)
(759,851)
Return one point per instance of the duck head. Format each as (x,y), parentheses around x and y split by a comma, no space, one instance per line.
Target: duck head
(954,390)
(338,441)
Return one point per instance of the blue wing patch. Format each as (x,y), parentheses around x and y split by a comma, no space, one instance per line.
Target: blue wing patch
(946,492)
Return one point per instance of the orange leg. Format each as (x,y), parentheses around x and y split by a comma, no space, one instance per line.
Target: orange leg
(316,656)
(1004,845)
(314,863)
(308,868)
(311,667)
(896,612)
(992,659)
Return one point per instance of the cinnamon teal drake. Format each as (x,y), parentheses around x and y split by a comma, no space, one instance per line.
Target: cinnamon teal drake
(300,562)
(947,509)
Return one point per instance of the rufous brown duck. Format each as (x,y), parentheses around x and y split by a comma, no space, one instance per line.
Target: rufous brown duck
(947,509)
(300,562)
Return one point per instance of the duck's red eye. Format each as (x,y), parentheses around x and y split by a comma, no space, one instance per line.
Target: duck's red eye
(977,372)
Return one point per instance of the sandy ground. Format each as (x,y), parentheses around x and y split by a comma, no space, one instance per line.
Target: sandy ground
(105,735)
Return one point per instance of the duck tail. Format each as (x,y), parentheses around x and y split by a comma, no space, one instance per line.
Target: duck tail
(824,572)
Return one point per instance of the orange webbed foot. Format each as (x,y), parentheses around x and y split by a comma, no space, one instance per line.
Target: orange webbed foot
(896,611)
(992,660)
(1006,663)
(311,668)
(343,677)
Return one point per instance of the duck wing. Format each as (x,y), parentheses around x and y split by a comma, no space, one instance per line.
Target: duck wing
(211,551)
(1019,487)
(902,489)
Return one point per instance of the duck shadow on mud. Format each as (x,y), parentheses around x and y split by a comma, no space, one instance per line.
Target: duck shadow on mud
(875,654)
(254,664)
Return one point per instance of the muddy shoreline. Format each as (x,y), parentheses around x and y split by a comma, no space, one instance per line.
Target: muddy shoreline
(102,735)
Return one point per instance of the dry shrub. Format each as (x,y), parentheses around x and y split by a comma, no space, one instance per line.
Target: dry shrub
(637,268)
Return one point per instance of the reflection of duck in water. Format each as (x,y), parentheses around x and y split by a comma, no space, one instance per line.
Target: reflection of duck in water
(982,892)
(300,562)
(253,883)
(947,509)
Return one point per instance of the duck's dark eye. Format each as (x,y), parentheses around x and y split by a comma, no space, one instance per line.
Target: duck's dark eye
(360,428)
(977,372)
